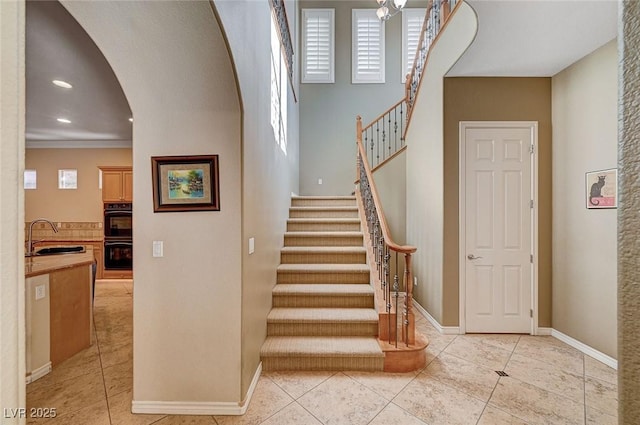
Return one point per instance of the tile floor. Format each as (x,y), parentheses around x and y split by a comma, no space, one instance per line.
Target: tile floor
(548,383)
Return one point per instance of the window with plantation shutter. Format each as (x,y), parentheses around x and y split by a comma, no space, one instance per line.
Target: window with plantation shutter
(412,20)
(368,47)
(318,46)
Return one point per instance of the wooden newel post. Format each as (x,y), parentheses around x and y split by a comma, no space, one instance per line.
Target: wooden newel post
(358,143)
(411,322)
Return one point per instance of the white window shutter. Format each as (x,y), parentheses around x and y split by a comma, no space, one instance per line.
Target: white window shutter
(412,20)
(368,61)
(318,37)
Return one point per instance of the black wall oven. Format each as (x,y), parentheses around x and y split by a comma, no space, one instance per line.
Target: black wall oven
(118,236)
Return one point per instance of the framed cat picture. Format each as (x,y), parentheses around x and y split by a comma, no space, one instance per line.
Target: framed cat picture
(602,189)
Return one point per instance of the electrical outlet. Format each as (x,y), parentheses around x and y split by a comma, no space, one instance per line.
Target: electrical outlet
(41,292)
(415,281)
(252,245)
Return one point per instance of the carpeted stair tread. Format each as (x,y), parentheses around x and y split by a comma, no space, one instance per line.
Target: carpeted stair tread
(324,220)
(325,198)
(310,346)
(319,289)
(322,315)
(324,208)
(332,234)
(323,268)
(323,249)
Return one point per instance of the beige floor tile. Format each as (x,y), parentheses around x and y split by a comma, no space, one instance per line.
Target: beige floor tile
(437,341)
(546,376)
(599,370)
(186,420)
(439,404)
(112,355)
(601,395)
(505,341)
(118,378)
(534,404)
(94,414)
(479,352)
(463,375)
(495,416)
(120,411)
(596,417)
(393,414)
(553,351)
(110,289)
(117,336)
(293,414)
(268,399)
(388,385)
(67,396)
(297,384)
(342,400)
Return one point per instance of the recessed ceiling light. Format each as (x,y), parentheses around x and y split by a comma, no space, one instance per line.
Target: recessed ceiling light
(130,119)
(62,84)
(64,120)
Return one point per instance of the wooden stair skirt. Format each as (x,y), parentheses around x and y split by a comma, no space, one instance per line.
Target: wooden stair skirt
(324,315)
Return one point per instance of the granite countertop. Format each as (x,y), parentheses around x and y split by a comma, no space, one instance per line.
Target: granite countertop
(38,265)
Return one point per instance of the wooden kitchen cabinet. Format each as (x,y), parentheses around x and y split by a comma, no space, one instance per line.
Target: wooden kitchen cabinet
(117,184)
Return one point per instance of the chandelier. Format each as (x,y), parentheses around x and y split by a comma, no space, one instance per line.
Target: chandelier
(389,8)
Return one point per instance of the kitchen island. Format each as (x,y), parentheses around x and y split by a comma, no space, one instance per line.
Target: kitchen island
(59,313)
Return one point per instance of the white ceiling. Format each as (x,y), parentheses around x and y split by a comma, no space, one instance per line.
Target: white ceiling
(515,38)
(535,38)
(58,48)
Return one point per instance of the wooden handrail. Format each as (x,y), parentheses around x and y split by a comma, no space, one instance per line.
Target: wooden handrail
(383,114)
(403,249)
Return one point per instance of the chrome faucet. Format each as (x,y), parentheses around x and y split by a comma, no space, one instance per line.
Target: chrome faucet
(30,243)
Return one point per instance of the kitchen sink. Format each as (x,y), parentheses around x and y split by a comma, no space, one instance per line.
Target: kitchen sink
(53,250)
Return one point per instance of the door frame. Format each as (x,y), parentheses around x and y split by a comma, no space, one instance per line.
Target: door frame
(462,280)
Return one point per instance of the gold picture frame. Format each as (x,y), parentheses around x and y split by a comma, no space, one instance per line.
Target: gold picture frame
(185,183)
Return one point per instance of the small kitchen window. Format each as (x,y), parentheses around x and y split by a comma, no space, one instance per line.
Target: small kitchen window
(30,179)
(67,179)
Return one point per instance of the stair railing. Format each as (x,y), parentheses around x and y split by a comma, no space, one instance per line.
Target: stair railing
(385,136)
(392,261)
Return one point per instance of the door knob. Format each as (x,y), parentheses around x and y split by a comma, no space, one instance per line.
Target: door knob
(472,257)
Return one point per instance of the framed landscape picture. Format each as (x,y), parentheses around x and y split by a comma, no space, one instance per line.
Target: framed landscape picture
(602,189)
(185,183)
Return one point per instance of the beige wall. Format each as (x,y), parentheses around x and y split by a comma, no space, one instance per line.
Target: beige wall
(12,113)
(496,99)
(82,204)
(269,174)
(391,183)
(585,129)
(426,165)
(174,68)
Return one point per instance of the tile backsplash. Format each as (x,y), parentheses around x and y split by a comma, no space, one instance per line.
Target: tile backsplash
(67,231)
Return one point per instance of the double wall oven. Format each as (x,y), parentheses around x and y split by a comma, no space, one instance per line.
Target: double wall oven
(118,236)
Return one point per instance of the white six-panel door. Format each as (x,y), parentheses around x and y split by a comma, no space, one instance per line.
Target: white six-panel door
(497,214)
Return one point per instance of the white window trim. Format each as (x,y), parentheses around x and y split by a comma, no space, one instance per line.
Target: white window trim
(409,54)
(356,77)
(328,77)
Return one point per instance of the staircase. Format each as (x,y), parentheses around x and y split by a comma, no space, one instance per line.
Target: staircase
(323,315)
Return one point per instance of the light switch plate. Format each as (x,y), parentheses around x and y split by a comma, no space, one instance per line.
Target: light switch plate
(319,181)
(41,292)
(252,245)
(158,249)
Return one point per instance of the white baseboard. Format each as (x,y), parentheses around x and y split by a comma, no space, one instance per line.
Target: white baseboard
(445,330)
(196,407)
(589,351)
(544,331)
(39,373)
